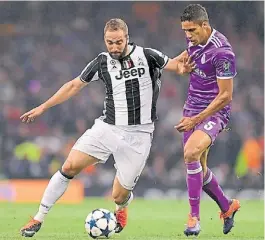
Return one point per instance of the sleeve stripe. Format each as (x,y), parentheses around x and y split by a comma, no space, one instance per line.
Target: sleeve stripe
(80,77)
(164,64)
(87,68)
(90,70)
(154,59)
(227,77)
(167,59)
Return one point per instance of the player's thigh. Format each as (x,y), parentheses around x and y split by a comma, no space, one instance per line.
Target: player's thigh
(131,158)
(212,126)
(95,145)
(204,136)
(186,136)
(197,143)
(77,161)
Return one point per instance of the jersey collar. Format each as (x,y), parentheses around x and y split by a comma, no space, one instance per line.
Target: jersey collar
(209,39)
(132,50)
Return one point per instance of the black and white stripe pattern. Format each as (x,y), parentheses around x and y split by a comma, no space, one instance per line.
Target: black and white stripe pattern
(132,85)
(90,72)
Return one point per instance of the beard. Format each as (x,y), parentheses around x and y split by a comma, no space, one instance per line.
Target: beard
(118,56)
(115,56)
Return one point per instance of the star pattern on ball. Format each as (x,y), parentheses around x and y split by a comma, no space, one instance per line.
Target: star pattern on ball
(92,223)
(107,216)
(105,232)
(100,223)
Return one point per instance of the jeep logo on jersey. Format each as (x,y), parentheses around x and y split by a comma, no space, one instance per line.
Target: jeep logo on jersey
(130,73)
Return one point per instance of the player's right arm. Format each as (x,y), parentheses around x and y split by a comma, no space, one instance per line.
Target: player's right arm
(181,57)
(179,64)
(182,64)
(68,90)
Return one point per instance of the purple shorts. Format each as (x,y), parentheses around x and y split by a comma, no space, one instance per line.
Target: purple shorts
(212,125)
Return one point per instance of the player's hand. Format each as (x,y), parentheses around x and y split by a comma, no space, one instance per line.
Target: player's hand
(186,124)
(32,114)
(187,65)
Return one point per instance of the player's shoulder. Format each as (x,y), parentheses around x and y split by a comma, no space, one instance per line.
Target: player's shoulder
(102,57)
(148,52)
(153,53)
(137,49)
(102,54)
(142,50)
(149,49)
(221,44)
(136,46)
(223,52)
(219,40)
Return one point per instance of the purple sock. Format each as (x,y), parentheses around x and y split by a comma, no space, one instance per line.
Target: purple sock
(213,189)
(194,184)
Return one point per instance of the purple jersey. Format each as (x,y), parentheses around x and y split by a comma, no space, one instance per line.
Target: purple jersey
(214,60)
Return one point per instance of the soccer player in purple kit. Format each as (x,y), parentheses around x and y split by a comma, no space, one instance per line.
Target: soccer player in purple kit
(206,112)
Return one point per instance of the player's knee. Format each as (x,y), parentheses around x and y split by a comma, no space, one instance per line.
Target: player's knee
(69,169)
(192,154)
(120,196)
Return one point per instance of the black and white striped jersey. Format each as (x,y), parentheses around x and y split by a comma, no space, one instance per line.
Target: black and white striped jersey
(132,84)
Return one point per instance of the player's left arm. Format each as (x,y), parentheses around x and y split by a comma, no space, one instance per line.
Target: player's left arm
(182,56)
(225,73)
(180,64)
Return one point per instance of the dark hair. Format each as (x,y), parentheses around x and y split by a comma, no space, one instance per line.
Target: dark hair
(194,13)
(116,24)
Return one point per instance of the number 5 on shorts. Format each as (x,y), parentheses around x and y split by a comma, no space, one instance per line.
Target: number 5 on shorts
(208,126)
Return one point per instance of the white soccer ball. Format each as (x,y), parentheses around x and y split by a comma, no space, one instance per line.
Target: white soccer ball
(100,223)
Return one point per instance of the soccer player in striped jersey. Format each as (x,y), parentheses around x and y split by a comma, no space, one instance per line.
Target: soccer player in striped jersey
(206,111)
(131,75)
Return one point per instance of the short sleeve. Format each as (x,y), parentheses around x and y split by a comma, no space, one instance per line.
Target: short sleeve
(156,58)
(225,65)
(90,72)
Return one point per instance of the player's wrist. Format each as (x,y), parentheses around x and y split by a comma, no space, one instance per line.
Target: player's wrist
(44,107)
(198,119)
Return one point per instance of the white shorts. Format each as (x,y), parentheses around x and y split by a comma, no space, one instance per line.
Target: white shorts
(130,149)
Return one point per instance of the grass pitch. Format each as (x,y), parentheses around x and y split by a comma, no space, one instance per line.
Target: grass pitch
(148,220)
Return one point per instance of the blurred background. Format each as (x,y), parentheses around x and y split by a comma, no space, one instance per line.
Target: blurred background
(45,44)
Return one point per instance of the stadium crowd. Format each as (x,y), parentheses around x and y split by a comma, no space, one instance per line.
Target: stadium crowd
(45,44)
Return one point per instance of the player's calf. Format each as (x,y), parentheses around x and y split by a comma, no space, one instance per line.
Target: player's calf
(122,197)
(121,212)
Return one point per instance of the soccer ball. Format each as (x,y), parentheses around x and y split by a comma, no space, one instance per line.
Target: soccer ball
(100,223)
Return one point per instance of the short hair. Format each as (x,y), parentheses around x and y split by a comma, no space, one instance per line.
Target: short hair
(194,13)
(116,24)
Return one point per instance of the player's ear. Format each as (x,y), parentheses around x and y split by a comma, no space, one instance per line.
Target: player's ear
(204,24)
(128,39)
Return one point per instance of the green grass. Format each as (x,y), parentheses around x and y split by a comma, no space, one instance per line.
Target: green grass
(148,220)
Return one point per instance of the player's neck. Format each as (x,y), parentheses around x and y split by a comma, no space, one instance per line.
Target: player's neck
(209,31)
(129,49)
